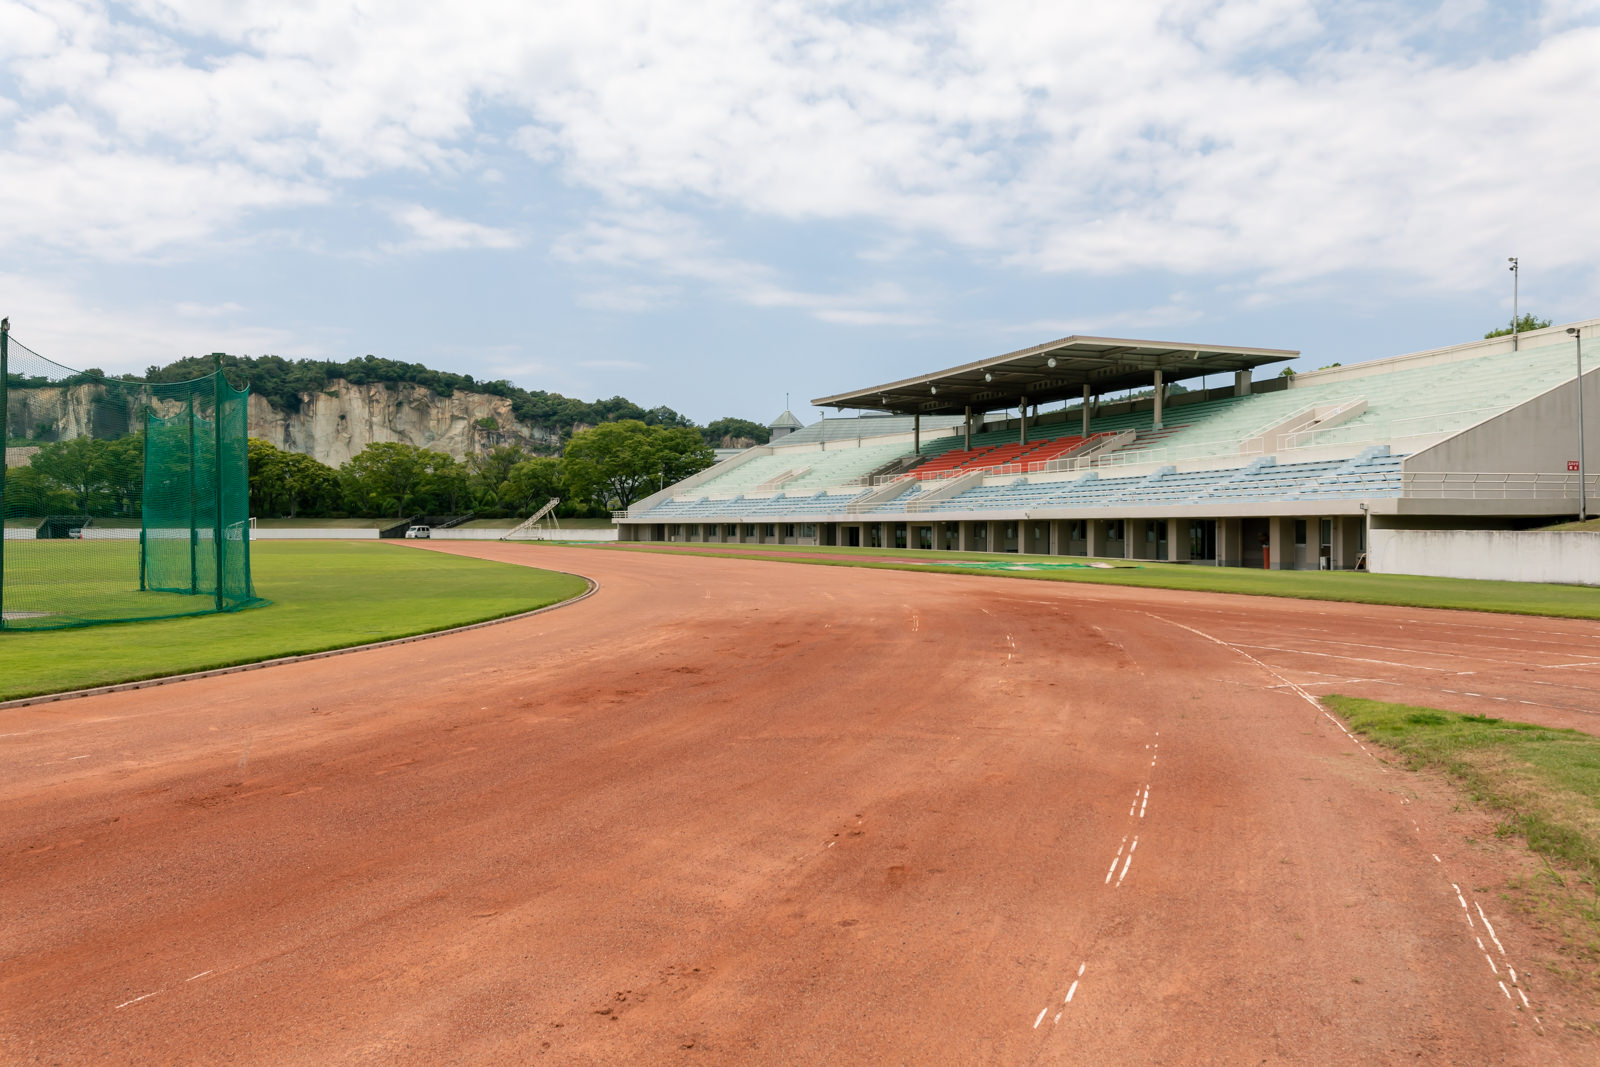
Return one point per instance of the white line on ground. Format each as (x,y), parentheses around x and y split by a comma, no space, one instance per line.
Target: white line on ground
(136,1000)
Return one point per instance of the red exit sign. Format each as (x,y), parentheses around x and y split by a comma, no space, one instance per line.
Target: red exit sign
(1573,465)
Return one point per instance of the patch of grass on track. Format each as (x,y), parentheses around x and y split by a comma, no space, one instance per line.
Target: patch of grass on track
(1400,590)
(324,595)
(1542,783)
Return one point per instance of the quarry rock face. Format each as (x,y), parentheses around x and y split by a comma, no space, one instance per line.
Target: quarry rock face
(332,425)
(339,421)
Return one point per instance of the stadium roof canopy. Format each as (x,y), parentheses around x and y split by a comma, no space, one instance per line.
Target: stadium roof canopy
(1057,370)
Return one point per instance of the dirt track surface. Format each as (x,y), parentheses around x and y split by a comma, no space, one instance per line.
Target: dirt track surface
(730,811)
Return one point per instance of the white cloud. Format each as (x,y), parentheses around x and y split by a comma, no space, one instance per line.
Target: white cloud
(1099,138)
(433,232)
(61,324)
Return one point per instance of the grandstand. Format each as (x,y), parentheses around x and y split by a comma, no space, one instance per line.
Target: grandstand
(1084,447)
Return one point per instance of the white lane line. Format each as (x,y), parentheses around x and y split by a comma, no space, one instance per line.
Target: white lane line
(135,1000)
(1128,862)
(1489,928)
(1040,1019)
(1504,990)
(1115,858)
(1145,801)
(1353,659)
(1071,991)
(202,974)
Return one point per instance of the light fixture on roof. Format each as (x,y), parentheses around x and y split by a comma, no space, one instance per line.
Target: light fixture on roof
(1051,363)
(934,390)
(988,377)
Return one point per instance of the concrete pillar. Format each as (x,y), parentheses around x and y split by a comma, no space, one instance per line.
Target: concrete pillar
(1178,540)
(996,535)
(1023,412)
(1241,383)
(886,534)
(1346,541)
(1280,543)
(1159,399)
(1086,411)
(1094,537)
(1057,536)
(916,432)
(1230,543)
(966,429)
(963,536)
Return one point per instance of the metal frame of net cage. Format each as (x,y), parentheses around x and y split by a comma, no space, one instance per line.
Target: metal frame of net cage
(119,499)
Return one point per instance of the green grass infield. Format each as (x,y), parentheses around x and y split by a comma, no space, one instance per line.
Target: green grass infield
(1403,590)
(323,595)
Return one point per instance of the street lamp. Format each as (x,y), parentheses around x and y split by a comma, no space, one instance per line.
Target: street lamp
(1583,500)
(1515,278)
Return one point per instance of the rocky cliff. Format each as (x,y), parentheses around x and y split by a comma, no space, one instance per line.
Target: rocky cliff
(332,424)
(335,423)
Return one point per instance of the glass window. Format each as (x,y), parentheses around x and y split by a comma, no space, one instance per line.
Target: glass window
(1299,531)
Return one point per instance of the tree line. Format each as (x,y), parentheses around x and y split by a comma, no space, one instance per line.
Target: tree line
(609,466)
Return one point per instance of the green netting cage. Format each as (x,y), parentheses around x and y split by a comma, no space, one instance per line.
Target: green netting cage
(119,499)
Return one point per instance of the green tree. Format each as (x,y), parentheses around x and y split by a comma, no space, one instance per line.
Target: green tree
(489,471)
(387,476)
(1526,324)
(448,483)
(530,483)
(732,429)
(268,483)
(80,465)
(617,463)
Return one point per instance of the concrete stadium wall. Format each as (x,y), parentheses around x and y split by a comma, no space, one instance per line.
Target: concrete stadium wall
(1571,558)
(316,533)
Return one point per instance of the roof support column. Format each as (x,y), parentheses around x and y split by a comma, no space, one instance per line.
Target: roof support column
(966,432)
(1159,398)
(1241,383)
(1086,410)
(1023,411)
(916,432)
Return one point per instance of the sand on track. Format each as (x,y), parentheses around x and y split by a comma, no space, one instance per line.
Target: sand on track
(730,811)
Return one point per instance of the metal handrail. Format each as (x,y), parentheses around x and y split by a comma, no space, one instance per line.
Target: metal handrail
(1471,485)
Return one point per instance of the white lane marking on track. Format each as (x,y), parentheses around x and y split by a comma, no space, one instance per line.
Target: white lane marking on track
(1334,655)
(202,974)
(1145,801)
(1115,858)
(1489,928)
(1071,991)
(1040,1019)
(1128,862)
(135,1000)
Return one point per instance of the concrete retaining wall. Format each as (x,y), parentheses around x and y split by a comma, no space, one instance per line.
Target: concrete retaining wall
(1512,556)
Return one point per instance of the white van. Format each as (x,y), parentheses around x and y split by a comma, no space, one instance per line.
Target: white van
(420,532)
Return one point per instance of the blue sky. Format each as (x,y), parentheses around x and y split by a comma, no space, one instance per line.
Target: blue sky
(710,205)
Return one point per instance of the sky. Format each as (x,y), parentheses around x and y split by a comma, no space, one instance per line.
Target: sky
(716,204)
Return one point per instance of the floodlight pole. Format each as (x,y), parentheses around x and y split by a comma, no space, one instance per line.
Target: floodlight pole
(5,397)
(1583,471)
(1516,279)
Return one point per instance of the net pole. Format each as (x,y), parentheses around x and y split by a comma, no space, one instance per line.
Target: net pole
(5,435)
(194,530)
(216,474)
(144,517)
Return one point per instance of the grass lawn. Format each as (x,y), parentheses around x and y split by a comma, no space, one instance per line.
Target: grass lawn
(1541,782)
(323,595)
(1518,598)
